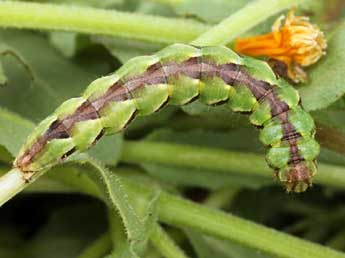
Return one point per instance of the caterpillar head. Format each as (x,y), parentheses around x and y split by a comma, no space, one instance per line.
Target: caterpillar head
(297,177)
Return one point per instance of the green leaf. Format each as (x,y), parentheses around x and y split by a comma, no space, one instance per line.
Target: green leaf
(124,49)
(3,78)
(6,50)
(108,149)
(68,43)
(55,77)
(13,130)
(138,220)
(326,78)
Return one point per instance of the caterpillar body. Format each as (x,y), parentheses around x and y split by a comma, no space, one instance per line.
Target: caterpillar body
(178,75)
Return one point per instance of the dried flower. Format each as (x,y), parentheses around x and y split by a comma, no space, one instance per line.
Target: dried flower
(293,40)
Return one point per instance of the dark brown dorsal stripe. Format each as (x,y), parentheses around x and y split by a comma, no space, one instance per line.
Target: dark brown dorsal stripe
(85,112)
(195,67)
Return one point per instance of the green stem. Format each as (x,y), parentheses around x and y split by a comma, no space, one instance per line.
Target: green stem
(10,184)
(182,213)
(165,244)
(243,20)
(169,2)
(216,159)
(184,156)
(97,21)
(138,26)
(98,248)
(222,197)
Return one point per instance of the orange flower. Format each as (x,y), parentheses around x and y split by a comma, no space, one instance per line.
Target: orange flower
(293,41)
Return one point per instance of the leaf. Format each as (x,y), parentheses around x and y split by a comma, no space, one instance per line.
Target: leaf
(13,130)
(326,78)
(55,77)
(138,225)
(3,78)
(108,149)
(68,43)
(124,49)
(6,50)
(331,135)
(145,124)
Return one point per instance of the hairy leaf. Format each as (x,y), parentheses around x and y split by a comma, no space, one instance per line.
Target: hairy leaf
(138,225)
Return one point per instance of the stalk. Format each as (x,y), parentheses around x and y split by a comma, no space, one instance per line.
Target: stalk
(10,184)
(97,21)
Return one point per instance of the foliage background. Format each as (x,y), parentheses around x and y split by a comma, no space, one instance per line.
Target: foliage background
(206,154)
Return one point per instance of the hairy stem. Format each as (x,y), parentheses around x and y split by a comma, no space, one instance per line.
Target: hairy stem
(98,21)
(137,26)
(184,156)
(165,244)
(243,20)
(216,160)
(183,213)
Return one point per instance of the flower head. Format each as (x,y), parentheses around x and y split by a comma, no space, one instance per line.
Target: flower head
(293,40)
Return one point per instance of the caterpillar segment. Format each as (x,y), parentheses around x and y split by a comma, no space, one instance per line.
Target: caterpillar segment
(178,75)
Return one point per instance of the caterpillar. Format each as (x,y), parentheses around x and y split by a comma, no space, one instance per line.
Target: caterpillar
(180,74)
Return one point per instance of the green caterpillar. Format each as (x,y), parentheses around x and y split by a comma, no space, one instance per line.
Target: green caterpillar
(178,75)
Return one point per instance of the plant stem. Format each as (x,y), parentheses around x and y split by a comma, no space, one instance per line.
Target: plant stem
(184,156)
(222,197)
(182,213)
(216,160)
(98,21)
(179,212)
(164,244)
(243,20)
(186,214)
(169,2)
(137,26)
(10,184)
(98,248)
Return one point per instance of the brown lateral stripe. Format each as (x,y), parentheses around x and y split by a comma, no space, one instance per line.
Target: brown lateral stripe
(56,131)
(196,68)
(85,112)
